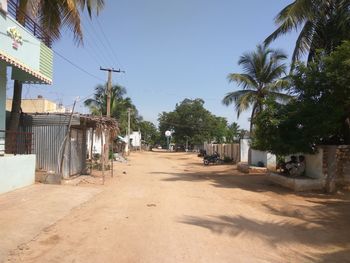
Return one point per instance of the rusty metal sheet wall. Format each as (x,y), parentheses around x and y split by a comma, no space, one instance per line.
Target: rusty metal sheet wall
(74,155)
(47,143)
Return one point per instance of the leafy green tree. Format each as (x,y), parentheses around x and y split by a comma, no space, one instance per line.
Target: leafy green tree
(323,24)
(149,132)
(218,129)
(320,112)
(263,76)
(192,124)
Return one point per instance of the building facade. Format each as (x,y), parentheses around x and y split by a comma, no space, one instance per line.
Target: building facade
(38,105)
(25,52)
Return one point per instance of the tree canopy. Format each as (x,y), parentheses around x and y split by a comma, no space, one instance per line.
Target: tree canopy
(320,112)
(192,123)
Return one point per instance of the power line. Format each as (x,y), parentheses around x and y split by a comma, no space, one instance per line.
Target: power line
(69,61)
(78,67)
(100,41)
(94,45)
(107,40)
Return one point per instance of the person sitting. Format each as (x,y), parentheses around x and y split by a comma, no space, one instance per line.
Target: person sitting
(291,165)
(300,168)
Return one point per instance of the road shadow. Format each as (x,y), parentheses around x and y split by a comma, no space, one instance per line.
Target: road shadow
(225,177)
(324,224)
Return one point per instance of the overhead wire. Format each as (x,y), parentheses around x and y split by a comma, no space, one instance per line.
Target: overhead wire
(96,49)
(105,48)
(107,41)
(76,66)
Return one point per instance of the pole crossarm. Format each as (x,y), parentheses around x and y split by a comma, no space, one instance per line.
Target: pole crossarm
(109,86)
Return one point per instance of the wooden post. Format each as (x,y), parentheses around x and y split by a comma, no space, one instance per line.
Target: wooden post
(102,158)
(91,149)
(112,160)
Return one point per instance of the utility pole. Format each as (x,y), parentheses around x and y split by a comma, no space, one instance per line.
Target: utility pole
(129,112)
(109,91)
(109,87)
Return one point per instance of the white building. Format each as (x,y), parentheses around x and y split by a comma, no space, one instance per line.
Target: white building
(135,139)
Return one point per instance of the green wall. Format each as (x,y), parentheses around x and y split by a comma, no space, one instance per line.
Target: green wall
(32,53)
(2,105)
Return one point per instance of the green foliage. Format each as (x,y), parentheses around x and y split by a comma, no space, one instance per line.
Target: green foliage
(54,15)
(235,133)
(227,159)
(263,76)
(149,132)
(119,106)
(191,122)
(323,24)
(320,112)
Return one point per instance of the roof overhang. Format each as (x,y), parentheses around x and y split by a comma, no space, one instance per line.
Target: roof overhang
(23,72)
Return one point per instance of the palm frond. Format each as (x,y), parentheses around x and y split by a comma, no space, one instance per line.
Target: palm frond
(281,97)
(241,99)
(303,42)
(244,102)
(291,18)
(243,80)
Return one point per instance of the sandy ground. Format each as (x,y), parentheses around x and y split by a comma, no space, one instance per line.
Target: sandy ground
(168,207)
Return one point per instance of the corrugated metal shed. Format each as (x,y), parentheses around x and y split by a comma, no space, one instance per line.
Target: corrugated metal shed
(50,119)
(49,131)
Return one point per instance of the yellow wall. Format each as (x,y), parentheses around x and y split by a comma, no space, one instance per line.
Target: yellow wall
(35,105)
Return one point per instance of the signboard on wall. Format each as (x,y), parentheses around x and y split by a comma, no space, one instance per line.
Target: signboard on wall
(3,6)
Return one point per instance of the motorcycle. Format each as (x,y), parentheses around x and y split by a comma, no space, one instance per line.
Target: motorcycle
(214,158)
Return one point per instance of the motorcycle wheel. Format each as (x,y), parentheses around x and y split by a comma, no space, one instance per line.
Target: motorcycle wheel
(206,162)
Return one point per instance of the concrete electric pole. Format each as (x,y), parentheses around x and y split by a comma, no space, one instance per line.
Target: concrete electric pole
(108,113)
(129,112)
(109,87)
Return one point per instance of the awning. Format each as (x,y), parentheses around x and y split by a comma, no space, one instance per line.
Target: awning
(23,72)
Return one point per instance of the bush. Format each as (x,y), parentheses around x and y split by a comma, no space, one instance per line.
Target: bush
(228,159)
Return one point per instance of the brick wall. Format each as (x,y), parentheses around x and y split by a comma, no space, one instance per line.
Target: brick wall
(343,163)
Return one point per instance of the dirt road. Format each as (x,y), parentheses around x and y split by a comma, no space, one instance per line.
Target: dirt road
(167,207)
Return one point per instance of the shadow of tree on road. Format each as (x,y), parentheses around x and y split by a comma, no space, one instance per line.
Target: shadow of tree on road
(325,224)
(227,178)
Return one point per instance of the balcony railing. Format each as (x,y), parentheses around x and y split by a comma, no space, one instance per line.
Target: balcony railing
(16,142)
(27,22)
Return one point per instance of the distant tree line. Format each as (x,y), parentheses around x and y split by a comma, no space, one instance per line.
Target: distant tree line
(191,124)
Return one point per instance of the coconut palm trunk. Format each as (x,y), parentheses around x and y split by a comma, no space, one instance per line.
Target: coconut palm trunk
(16,106)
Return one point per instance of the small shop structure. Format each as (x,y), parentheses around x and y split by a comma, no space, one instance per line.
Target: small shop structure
(61,142)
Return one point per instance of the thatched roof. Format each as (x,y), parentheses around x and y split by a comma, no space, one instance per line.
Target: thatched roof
(100,123)
(78,120)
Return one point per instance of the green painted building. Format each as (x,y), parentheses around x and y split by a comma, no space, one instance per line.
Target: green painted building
(25,52)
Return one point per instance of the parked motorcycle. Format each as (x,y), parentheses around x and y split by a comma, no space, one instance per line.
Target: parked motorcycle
(214,158)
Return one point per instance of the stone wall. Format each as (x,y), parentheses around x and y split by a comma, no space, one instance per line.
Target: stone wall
(336,165)
(343,163)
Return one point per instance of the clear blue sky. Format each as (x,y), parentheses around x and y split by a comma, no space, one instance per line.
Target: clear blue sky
(170,50)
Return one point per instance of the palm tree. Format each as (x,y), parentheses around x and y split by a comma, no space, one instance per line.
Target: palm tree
(119,106)
(262,77)
(52,16)
(98,104)
(323,24)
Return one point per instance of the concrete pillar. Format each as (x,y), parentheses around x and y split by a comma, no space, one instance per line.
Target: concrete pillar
(3,80)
